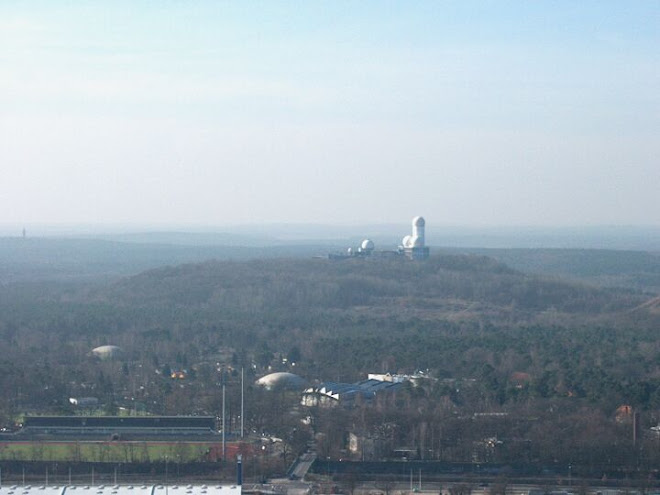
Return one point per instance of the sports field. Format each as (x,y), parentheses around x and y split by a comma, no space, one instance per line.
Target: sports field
(124,451)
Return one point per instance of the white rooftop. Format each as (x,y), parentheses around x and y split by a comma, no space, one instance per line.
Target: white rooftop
(27,490)
(7,489)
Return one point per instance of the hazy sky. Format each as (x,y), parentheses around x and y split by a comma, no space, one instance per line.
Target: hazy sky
(194,112)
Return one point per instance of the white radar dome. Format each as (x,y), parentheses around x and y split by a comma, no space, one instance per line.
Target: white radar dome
(282,380)
(107,352)
(407,241)
(367,245)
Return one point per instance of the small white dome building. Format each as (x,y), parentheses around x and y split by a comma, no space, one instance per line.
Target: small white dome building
(107,352)
(282,381)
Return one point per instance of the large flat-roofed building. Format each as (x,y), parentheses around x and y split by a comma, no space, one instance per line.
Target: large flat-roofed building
(119,425)
(332,393)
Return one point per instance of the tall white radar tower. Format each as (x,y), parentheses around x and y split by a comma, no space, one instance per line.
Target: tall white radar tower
(413,246)
(418,224)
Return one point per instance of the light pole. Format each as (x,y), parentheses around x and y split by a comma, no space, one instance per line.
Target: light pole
(223,416)
(242,404)
(166,486)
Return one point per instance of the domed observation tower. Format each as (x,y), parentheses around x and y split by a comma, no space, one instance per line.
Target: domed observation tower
(413,246)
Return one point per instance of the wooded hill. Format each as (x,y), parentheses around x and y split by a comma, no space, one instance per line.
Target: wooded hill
(608,268)
(394,296)
(343,318)
(474,324)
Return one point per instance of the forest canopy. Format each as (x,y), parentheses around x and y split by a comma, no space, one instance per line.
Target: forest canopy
(490,338)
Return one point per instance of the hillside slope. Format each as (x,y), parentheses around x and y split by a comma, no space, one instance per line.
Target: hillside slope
(442,285)
(638,270)
(459,316)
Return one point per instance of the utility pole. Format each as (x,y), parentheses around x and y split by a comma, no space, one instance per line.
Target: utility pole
(223,415)
(242,403)
(166,485)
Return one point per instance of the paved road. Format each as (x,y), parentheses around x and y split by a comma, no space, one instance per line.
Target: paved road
(303,464)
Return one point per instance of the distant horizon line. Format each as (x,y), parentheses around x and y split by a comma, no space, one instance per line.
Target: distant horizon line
(216,228)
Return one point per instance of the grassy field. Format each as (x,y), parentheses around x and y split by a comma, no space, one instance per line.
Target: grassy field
(108,451)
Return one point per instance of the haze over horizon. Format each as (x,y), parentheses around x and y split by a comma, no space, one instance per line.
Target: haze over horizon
(209,114)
